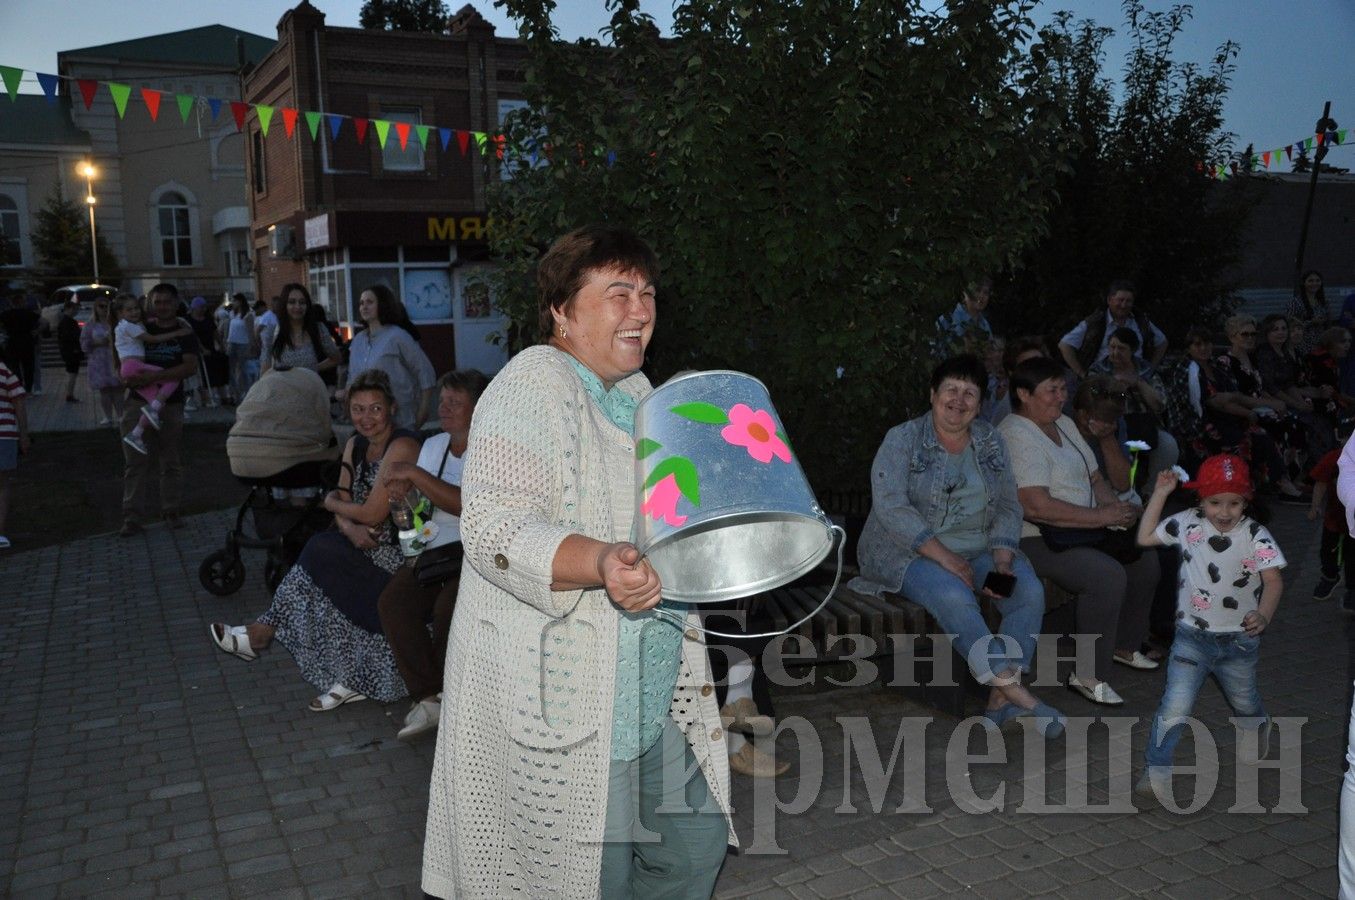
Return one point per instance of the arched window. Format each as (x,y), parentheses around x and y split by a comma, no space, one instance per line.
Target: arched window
(176,239)
(10,253)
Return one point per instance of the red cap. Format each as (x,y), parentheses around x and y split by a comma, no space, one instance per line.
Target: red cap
(1222,474)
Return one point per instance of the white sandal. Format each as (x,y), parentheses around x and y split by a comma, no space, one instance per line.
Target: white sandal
(335,697)
(233,640)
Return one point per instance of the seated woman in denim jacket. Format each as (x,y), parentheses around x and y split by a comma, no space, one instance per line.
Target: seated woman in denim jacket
(944,515)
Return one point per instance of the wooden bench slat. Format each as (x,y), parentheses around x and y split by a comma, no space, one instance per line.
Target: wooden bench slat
(826,623)
(871,620)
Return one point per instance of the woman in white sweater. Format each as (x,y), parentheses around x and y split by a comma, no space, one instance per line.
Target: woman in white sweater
(559,724)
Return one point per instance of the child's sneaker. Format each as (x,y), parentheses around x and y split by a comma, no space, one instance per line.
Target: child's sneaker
(151,418)
(134,441)
(1325,588)
(1348,603)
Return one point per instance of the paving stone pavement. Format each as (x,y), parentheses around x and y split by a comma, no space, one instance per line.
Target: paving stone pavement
(138,760)
(49,410)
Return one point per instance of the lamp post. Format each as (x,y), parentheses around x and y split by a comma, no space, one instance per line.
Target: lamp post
(88,170)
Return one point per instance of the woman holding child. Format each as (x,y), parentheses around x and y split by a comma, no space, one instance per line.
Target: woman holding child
(325,610)
(945,515)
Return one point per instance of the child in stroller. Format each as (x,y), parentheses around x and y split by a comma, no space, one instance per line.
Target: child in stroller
(283,446)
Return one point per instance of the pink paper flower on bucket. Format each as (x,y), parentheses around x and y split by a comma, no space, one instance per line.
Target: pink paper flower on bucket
(756,431)
(662,502)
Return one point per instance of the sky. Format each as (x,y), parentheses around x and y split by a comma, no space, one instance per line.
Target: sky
(1295,54)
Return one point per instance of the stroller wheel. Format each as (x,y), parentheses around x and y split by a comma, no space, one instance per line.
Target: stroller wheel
(273,570)
(221,573)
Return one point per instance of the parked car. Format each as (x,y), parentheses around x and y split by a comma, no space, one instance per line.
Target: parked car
(85,293)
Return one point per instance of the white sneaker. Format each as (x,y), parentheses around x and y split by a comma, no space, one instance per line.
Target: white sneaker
(105,421)
(422,716)
(4,542)
(151,418)
(136,444)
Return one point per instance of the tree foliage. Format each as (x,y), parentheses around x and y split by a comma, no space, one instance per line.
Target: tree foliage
(61,246)
(819,179)
(1136,201)
(404,15)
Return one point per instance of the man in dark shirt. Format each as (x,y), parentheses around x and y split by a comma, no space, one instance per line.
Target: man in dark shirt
(178,360)
(68,343)
(21,350)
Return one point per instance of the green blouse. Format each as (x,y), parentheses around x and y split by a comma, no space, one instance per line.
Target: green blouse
(648,648)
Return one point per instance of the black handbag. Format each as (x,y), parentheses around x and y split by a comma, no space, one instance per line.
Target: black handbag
(1059,538)
(1121,546)
(439,565)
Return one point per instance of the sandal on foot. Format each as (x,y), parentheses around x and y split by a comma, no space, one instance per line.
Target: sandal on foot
(335,697)
(234,641)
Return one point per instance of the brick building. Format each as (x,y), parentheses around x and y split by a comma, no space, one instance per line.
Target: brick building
(340,215)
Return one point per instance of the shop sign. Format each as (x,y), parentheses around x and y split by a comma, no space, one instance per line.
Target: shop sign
(462,228)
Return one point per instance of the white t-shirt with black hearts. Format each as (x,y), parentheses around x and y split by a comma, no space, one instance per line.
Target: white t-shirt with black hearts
(1220,580)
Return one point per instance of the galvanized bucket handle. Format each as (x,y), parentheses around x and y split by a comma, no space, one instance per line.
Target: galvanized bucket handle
(681,621)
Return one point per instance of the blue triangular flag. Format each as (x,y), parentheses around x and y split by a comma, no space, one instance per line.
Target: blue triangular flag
(335,123)
(49,83)
(446,135)
(215,104)
(611,158)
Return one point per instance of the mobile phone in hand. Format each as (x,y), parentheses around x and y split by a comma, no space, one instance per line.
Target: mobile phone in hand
(1000,584)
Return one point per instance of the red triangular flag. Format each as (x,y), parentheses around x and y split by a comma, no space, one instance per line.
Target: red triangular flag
(1289,151)
(499,143)
(402,129)
(1265,159)
(289,120)
(360,126)
(238,110)
(88,88)
(463,141)
(152,100)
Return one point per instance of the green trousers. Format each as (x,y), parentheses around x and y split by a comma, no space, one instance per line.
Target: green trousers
(665,834)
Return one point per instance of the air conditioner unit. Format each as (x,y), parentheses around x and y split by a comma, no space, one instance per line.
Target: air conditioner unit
(281,241)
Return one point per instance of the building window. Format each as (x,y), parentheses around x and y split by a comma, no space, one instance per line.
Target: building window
(410,159)
(257,158)
(11,251)
(176,238)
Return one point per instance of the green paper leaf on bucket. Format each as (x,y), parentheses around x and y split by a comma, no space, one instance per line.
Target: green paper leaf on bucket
(682,470)
(645,446)
(705,413)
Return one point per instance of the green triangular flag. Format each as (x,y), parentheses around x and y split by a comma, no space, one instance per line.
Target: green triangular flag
(1308,143)
(423,135)
(313,123)
(185,105)
(480,140)
(265,117)
(120,94)
(382,129)
(12,78)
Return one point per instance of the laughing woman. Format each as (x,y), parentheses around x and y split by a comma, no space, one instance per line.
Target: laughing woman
(581,753)
(944,515)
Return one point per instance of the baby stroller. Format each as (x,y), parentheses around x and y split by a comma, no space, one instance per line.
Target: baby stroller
(283,448)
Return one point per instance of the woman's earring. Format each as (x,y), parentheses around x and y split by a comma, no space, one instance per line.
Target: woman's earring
(562,331)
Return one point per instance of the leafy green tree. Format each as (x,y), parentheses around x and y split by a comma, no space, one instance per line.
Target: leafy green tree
(819,179)
(404,15)
(1136,200)
(61,246)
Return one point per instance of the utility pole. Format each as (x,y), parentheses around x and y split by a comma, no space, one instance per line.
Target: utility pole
(1324,127)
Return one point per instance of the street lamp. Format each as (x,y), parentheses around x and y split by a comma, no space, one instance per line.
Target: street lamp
(88,170)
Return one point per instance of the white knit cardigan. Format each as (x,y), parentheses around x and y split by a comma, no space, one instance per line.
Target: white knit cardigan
(519,791)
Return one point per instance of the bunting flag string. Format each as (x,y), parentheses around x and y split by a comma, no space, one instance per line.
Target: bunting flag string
(12,77)
(120,93)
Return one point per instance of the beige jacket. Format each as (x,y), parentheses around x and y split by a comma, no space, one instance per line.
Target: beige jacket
(519,791)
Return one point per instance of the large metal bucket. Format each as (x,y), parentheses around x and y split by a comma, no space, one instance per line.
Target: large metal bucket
(724,509)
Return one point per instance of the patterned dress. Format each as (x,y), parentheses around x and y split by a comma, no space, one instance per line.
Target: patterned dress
(95,340)
(325,608)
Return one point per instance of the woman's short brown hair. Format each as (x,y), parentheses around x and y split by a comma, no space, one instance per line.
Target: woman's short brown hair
(373,380)
(561,272)
(1101,397)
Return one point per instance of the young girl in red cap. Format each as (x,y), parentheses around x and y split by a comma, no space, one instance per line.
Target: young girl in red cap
(1228,589)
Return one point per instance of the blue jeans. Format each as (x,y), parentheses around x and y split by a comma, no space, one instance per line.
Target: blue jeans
(1230,656)
(956,608)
